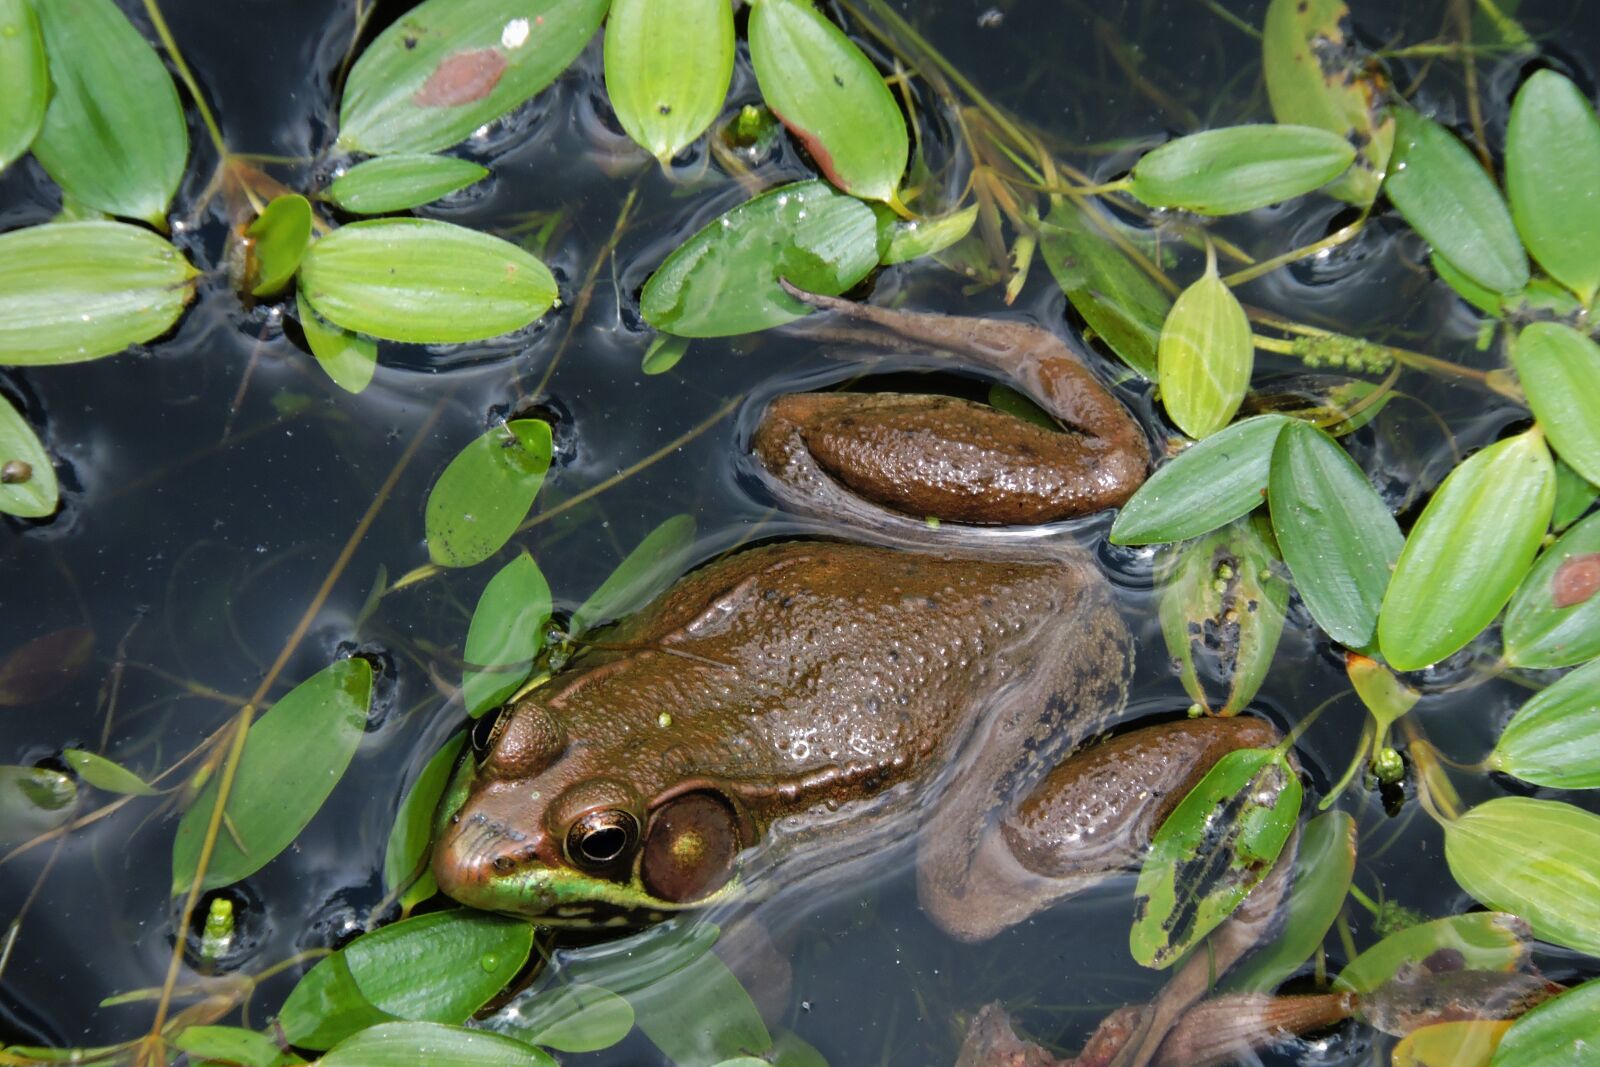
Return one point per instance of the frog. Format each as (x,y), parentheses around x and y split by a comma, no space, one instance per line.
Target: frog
(787,712)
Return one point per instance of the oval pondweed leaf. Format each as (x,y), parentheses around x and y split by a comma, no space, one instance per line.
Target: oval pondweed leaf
(412,831)
(1205,356)
(28,486)
(574,1018)
(1118,300)
(405,1044)
(24,80)
(106,774)
(1316,76)
(1554,617)
(1467,552)
(1560,372)
(668,67)
(280,235)
(1552,740)
(646,571)
(1218,844)
(912,238)
(1538,859)
(1385,697)
(486,491)
(1442,191)
(424,281)
(1204,487)
(1552,156)
(826,90)
(506,633)
(724,279)
(347,357)
(1458,1043)
(74,291)
(1574,496)
(228,1044)
(1484,940)
(1555,1033)
(1239,168)
(400,183)
(700,1015)
(447,67)
(114,137)
(293,757)
(664,353)
(33,800)
(1333,529)
(1223,613)
(326,1006)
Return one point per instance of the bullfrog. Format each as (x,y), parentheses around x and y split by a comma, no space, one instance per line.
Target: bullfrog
(795,707)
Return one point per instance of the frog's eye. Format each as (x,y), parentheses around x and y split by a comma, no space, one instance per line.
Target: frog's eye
(600,838)
(690,849)
(487,730)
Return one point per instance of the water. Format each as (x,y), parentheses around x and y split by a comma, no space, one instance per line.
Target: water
(211,479)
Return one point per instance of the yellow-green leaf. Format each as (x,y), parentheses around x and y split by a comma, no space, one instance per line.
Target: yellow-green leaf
(403,1044)
(668,66)
(114,136)
(447,67)
(1464,1043)
(1467,552)
(1552,157)
(1485,941)
(1560,372)
(1385,697)
(1205,356)
(1558,1033)
(506,632)
(106,774)
(1552,739)
(909,239)
(24,81)
(486,491)
(1538,859)
(280,233)
(28,485)
(1239,168)
(80,290)
(347,357)
(399,183)
(424,281)
(1554,618)
(664,353)
(826,90)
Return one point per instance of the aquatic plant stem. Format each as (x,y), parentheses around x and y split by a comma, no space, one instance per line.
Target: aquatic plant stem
(153,9)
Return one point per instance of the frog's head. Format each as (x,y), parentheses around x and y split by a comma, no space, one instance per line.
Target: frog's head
(536,824)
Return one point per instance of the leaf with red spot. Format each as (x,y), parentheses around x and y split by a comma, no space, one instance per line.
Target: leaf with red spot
(462,78)
(1554,618)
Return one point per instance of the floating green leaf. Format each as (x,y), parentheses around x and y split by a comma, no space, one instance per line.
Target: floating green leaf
(1440,189)
(24,79)
(73,291)
(1560,372)
(1486,941)
(424,281)
(281,233)
(724,279)
(1558,1033)
(1316,77)
(647,570)
(668,66)
(326,1006)
(909,239)
(1485,300)
(447,67)
(575,1018)
(826,90)
(1206,486)
(1574,496)
(1239,168)
(28,485)
(348,358)
(1467,552)
(1223,609)
(1118,300)
(1217,845)
(33,800)
(399,183)
(1538,859)
(403,1044)
(227,1044)
(412,831)
(1333,529)
(293,757)
(1018,406)
(1554,618)
(506,632)
(114,136)
(486,491)
(106,774)
(1552,156)
(1551,740)
(1205,356)
(1324,866)
(664,353)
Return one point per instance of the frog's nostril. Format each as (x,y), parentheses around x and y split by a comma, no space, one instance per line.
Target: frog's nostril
(504,864)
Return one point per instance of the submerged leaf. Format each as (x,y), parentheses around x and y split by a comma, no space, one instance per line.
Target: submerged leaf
(1239,168)
(447,67)
(1558,1033)
(1385,697)
(1560,372)
(724,279)
(424,281)
(1554,618)
(1574,496)
(73,291)
(1467,552)
(24,81)
(1205,356)
(407,1044)
(926,237)
(228,1044)
(668,67)
(1204,487)
(1552,741)
(506,633)
(399,183)
(106,774)
(293,757)
(1462,1043)
(114,136)
(412,831)
(39,669)
(33,800)
(486,491)
(28,485)
(825,89)
(574,1018)
(1484,941)
(646,571)
(1539,859)
(281,233)
(1552,156)
(347,357)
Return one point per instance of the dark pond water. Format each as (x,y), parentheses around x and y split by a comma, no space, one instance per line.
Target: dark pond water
(211,479)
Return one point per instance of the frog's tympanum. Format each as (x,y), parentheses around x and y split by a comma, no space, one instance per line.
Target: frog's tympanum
(794,706)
